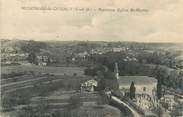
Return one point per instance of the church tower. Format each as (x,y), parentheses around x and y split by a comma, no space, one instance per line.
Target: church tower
(116,71)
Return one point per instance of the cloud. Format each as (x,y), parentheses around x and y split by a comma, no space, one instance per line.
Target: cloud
(162,23)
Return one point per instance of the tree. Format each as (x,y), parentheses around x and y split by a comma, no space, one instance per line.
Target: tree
(159,88)
(132,90)
(103,98)
(33,46)
(68,60)
(159,111)
(32,58)
(101,83)
(75,102)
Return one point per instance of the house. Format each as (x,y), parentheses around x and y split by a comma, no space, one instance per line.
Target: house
(89,85)
(82,55)
(127,58)
(42,60)
(18,57)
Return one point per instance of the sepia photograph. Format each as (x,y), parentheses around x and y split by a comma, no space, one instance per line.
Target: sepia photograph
(90,58)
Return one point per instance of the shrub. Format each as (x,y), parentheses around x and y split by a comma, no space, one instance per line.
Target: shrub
(75,102)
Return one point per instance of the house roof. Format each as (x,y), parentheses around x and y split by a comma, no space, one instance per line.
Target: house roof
(138,80)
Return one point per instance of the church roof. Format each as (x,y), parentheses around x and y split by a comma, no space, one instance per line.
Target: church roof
(138,80)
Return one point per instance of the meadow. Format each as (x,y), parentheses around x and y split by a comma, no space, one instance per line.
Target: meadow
(43,69)
(55,89)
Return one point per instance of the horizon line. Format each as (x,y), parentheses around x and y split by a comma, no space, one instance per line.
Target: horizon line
(57,40)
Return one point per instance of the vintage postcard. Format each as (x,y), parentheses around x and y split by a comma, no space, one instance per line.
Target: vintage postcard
(91,58)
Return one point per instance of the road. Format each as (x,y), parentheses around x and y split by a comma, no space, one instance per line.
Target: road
(134,112)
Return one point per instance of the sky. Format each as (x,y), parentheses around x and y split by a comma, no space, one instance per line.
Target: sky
(162,21)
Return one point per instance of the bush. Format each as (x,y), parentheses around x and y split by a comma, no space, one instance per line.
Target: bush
(11,100)
(75,102)
(103,99)
(90,72)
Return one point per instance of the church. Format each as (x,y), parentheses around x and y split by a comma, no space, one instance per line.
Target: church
(144,84)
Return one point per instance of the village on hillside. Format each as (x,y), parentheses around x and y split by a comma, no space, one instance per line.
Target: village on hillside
(91,79)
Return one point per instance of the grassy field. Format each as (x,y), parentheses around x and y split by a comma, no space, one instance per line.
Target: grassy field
(57,92)
(96,111)
(44,69)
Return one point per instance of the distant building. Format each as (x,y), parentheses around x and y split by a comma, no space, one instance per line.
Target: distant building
(73,59)
(9,58)
(127,58)
(9,49)
(42,60)
(179,61)
(119,49)
(82,55)
(89,85)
